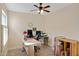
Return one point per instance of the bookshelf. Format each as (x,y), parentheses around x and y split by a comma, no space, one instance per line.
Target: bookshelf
(65,47)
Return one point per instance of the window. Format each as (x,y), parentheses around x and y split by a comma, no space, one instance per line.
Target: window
(4,28)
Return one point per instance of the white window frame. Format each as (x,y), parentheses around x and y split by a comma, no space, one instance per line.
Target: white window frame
(4,28)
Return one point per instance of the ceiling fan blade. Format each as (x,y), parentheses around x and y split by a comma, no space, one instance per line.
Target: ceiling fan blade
(36,6)
(46,11)
(47,6)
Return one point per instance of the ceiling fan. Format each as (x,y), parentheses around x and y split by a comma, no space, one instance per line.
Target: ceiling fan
(42,8)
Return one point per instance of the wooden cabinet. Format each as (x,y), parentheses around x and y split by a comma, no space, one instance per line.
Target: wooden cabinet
(64,46)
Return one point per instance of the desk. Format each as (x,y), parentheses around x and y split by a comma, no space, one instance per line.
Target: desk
(29,45)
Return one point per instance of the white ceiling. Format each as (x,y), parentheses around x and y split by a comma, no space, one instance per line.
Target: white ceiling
(27,7)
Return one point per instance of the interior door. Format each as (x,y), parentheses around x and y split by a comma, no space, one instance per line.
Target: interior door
(0,42)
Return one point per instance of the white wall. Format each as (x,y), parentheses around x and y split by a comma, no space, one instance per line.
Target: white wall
(3,49)
(63,22)
(18,22)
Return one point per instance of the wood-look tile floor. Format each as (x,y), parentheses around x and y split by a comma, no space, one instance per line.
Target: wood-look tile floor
(16,52)
(44,51)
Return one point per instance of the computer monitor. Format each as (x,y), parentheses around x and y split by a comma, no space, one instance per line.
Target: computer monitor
(38,33)
(30,33)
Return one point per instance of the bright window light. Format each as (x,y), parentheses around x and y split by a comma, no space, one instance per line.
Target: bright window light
(4,28)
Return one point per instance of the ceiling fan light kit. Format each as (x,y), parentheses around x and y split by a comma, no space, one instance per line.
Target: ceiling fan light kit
(40,11)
